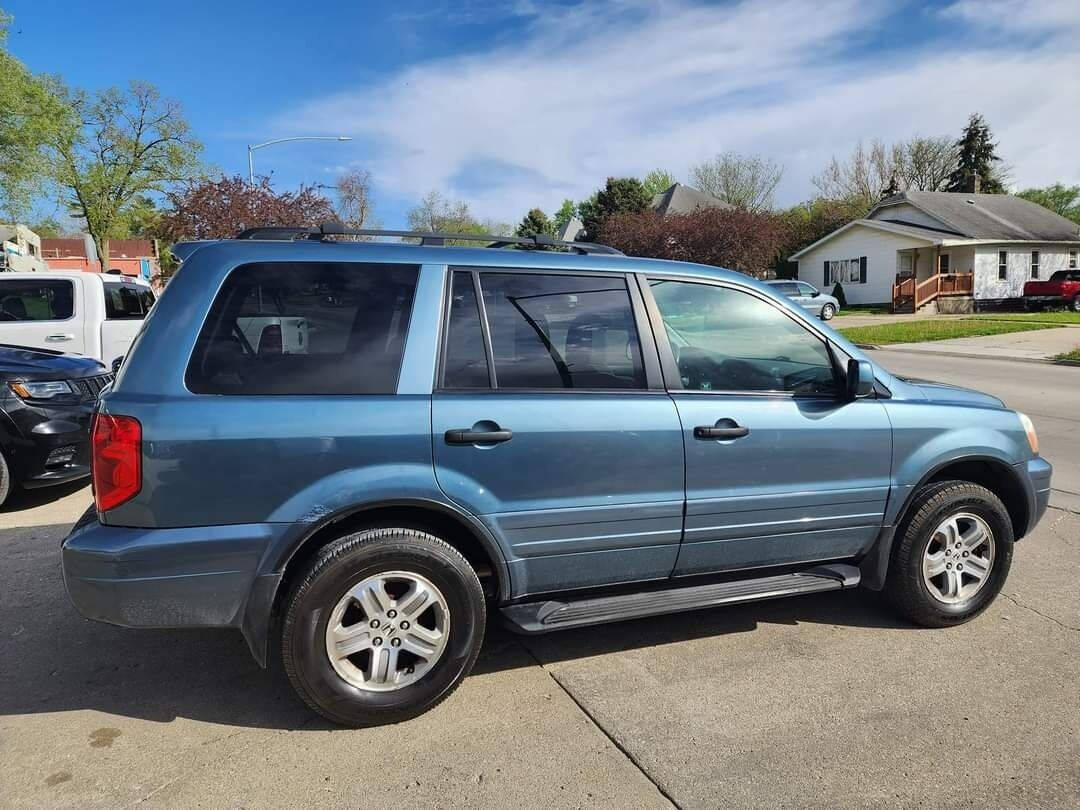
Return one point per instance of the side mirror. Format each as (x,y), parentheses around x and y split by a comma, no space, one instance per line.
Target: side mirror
(815,293)
(860,379)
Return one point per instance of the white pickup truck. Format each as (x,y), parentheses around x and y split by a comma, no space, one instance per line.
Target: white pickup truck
(93,314)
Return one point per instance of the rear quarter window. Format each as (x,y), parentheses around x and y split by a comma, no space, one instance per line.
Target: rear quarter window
(288,328)
(127,301)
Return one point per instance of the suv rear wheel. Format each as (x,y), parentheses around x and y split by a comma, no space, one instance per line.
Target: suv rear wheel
(382,626)
(952,555)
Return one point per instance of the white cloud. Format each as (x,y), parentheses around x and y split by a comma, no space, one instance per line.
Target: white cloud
(618,88)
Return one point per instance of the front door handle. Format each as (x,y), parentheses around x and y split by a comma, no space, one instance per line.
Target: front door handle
(60,337)
(470,436)
(713,432)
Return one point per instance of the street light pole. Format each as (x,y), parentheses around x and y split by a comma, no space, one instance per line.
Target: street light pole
(251,148)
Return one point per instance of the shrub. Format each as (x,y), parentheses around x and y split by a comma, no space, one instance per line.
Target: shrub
(838,294)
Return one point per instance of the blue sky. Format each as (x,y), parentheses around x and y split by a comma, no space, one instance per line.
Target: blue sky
(515,104)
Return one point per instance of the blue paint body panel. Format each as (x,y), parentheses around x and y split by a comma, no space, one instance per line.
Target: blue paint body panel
(594,488)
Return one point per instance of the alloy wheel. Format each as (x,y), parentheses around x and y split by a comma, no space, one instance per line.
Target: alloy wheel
(388,631)
(959,558)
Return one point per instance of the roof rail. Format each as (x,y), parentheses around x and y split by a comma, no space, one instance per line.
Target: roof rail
(332,229)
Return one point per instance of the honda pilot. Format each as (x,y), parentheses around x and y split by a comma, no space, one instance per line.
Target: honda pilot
(359,453)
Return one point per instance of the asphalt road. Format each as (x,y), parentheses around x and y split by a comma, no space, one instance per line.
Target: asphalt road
(818,701)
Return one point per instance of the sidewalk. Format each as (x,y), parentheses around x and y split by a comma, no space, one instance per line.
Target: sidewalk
(1040,345)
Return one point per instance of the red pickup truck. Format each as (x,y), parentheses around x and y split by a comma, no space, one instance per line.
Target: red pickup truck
(1061,289)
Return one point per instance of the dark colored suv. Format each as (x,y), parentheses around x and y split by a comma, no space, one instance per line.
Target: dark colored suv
(46,400)
(365,449)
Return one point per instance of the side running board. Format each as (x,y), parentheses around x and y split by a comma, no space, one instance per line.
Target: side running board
(548,615)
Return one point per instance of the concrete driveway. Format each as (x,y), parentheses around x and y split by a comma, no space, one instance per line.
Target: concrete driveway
(818,701)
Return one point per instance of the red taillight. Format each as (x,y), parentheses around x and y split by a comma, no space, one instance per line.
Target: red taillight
(270,340)
(116,459)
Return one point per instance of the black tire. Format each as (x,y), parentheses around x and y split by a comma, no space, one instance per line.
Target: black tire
(904,585)
(1076,303)
(344,563)
(6,484)
(827,312)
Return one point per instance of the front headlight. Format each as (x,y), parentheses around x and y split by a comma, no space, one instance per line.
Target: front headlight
(1029,429)
(42,390)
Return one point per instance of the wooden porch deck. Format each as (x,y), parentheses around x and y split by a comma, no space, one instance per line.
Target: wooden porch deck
(908,293)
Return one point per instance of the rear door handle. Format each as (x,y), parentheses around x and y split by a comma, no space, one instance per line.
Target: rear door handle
(469,436)
(711,432)
(59,338)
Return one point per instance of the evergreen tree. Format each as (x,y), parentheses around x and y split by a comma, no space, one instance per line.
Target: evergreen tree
(620,195)
(535,223)
(977,157)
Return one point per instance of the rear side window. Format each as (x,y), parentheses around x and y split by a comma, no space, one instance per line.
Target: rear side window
(288,328)
(554,331)
(127,302)
(45,300)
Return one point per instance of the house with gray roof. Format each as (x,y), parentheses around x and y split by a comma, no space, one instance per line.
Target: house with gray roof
(680,199)
(942,251)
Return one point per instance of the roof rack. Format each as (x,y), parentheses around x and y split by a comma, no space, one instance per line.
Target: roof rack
(328,230)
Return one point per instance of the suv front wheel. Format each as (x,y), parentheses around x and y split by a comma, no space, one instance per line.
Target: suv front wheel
(951,555)
(382,626)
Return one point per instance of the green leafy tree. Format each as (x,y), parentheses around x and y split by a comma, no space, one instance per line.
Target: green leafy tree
(1059,198)
(48,228)
(535,223)
(620,195)
(31,117)
(129,144)
(977,158)
(566,212)
(658,180)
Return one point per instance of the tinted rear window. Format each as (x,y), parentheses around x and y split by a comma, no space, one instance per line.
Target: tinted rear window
(305,328)
(27,300)
(127,301)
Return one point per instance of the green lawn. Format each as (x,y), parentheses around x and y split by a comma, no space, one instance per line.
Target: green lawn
(1074,355)
(919,331)
(1053,316)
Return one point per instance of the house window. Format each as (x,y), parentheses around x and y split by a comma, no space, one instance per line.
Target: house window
(1034,264)
(1003,265)
(1072,259)
(906,264)
(844,271)
(943,263)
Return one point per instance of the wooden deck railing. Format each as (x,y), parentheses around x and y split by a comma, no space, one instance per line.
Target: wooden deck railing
(925,291)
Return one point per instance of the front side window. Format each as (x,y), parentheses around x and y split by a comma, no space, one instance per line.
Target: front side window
(725,339)
(1034,264)
(806,289)
(46,300)
(288,328)
(1003,265)
(562,331)
(127,301)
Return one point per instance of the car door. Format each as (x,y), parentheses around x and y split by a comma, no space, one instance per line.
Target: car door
(41,313)
(550,422)
(780,466)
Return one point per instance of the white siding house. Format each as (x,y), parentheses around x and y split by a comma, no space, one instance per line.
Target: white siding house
(974,249)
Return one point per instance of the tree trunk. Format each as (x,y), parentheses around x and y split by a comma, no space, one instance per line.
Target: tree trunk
(102,245)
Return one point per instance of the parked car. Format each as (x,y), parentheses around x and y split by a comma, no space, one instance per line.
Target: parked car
(555,439)
(1062,289)
(808,297)
(46,400)
(93,314)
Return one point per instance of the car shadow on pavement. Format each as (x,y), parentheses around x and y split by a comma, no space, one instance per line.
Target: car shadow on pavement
(53,660)
(21,499)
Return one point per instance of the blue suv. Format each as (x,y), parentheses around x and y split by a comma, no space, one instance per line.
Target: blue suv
(359,451)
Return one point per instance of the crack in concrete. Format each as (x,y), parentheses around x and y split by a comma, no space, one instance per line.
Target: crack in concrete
(1038,612)
(592,719)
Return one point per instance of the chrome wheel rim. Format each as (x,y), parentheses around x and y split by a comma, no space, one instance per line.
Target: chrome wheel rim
(827,312)
(959,558)
(387,631)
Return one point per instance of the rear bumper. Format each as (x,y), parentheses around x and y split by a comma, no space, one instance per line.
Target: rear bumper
(187,577)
